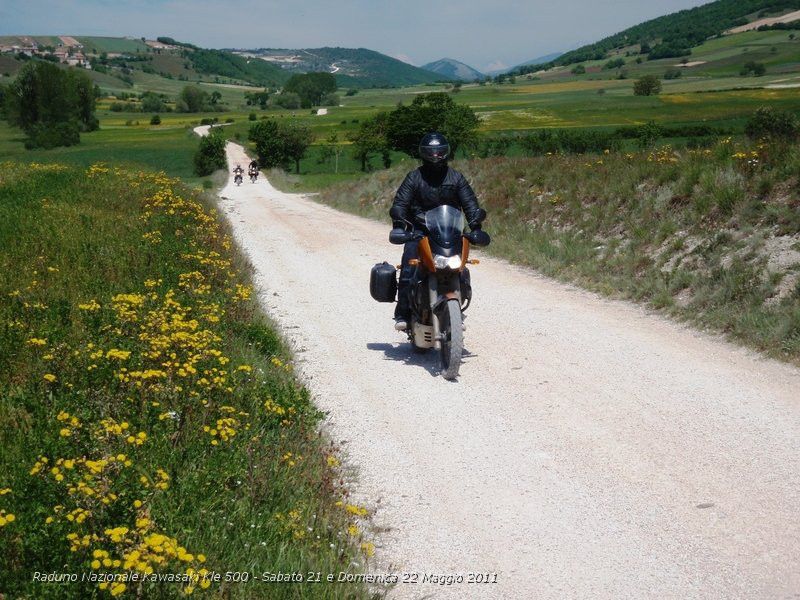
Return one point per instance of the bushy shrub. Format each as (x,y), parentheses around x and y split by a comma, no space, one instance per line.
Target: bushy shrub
(649,85)
(769,123)
(287,100)
(568,141)
(486,147)
(615,63)
(754,68)
(51,135)
(330,100)
(152,102)
(155,120)
(210,155)
(674,73)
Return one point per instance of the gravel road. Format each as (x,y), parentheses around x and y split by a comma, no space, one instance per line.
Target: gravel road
(589,449)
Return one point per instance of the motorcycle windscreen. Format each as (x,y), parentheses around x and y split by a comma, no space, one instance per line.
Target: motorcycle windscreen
(445,225)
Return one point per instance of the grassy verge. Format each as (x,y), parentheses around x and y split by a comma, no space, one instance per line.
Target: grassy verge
(149,417)
(710,236)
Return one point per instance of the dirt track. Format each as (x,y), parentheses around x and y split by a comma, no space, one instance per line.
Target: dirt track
(589,449)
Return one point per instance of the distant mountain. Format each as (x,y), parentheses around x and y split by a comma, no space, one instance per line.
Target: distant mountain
(353,67)
(453,69)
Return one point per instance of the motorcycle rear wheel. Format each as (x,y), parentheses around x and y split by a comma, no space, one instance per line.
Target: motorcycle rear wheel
(452,342)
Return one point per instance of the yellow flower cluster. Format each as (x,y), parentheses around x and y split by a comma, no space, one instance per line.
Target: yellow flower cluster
(161,349)
(665,155)
(6,517)
(91,306)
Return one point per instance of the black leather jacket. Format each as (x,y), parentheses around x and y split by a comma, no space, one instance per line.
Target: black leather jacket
(428,187)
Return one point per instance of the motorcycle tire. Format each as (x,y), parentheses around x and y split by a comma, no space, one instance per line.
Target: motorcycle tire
(452,343)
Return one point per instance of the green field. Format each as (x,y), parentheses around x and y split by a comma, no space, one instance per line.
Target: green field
(711,93)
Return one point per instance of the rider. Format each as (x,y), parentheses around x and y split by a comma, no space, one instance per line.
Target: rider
(238,170)
(253,168)
(433,184)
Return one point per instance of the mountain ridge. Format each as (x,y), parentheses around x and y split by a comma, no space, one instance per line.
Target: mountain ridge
(453,69)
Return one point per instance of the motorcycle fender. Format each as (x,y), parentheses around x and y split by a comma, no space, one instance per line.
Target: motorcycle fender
(443,299)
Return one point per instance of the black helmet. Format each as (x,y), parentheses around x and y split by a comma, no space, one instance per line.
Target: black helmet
(433,148)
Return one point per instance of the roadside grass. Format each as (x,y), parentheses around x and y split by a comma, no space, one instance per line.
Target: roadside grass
(149,416)
(708,236)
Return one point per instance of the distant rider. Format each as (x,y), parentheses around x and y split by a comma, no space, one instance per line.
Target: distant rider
(433,184)
(253,166)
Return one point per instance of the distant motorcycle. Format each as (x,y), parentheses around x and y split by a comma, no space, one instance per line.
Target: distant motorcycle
(253,176)
(440,289)
(237,177)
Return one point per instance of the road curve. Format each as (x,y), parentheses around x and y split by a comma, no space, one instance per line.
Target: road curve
(589,449)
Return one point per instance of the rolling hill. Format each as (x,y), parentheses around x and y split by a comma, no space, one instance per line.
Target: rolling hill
(674,35)
(353,67)
(116,63)
(453,69)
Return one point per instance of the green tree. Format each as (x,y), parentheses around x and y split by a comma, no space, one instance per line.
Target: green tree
(332,150)
(578,69)
(751,67)
(371,139)
(288,100)
(311,87)
(192,99)
(210,155)
(297,138)
(152,102)
(648,85)
(51,105)
(280,144)
(436,111)
(269,146)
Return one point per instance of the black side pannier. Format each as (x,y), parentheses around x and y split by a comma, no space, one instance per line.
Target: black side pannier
(383,282)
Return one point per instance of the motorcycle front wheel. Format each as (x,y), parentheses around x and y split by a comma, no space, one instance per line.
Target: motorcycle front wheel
(452,339)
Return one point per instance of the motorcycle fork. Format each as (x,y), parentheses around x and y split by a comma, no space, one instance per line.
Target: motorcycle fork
(433,297)
(441,289)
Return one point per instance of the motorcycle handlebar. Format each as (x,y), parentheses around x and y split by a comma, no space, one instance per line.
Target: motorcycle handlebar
(400,236)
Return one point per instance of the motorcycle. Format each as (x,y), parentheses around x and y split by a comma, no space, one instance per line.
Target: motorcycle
(253,176)
(237,178)
(440,289)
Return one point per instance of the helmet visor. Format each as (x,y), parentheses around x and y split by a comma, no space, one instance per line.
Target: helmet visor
(434,153)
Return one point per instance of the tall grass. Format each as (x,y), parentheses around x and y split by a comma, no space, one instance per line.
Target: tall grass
(705,234)
(149,417)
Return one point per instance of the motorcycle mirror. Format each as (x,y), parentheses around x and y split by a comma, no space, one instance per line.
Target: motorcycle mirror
(478,238)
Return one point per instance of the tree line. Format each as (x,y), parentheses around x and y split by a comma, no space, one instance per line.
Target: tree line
(280,144)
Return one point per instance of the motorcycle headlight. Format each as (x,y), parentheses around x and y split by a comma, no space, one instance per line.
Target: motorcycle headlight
(447,262)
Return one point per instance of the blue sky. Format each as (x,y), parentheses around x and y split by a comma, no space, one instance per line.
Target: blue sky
(478,32)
